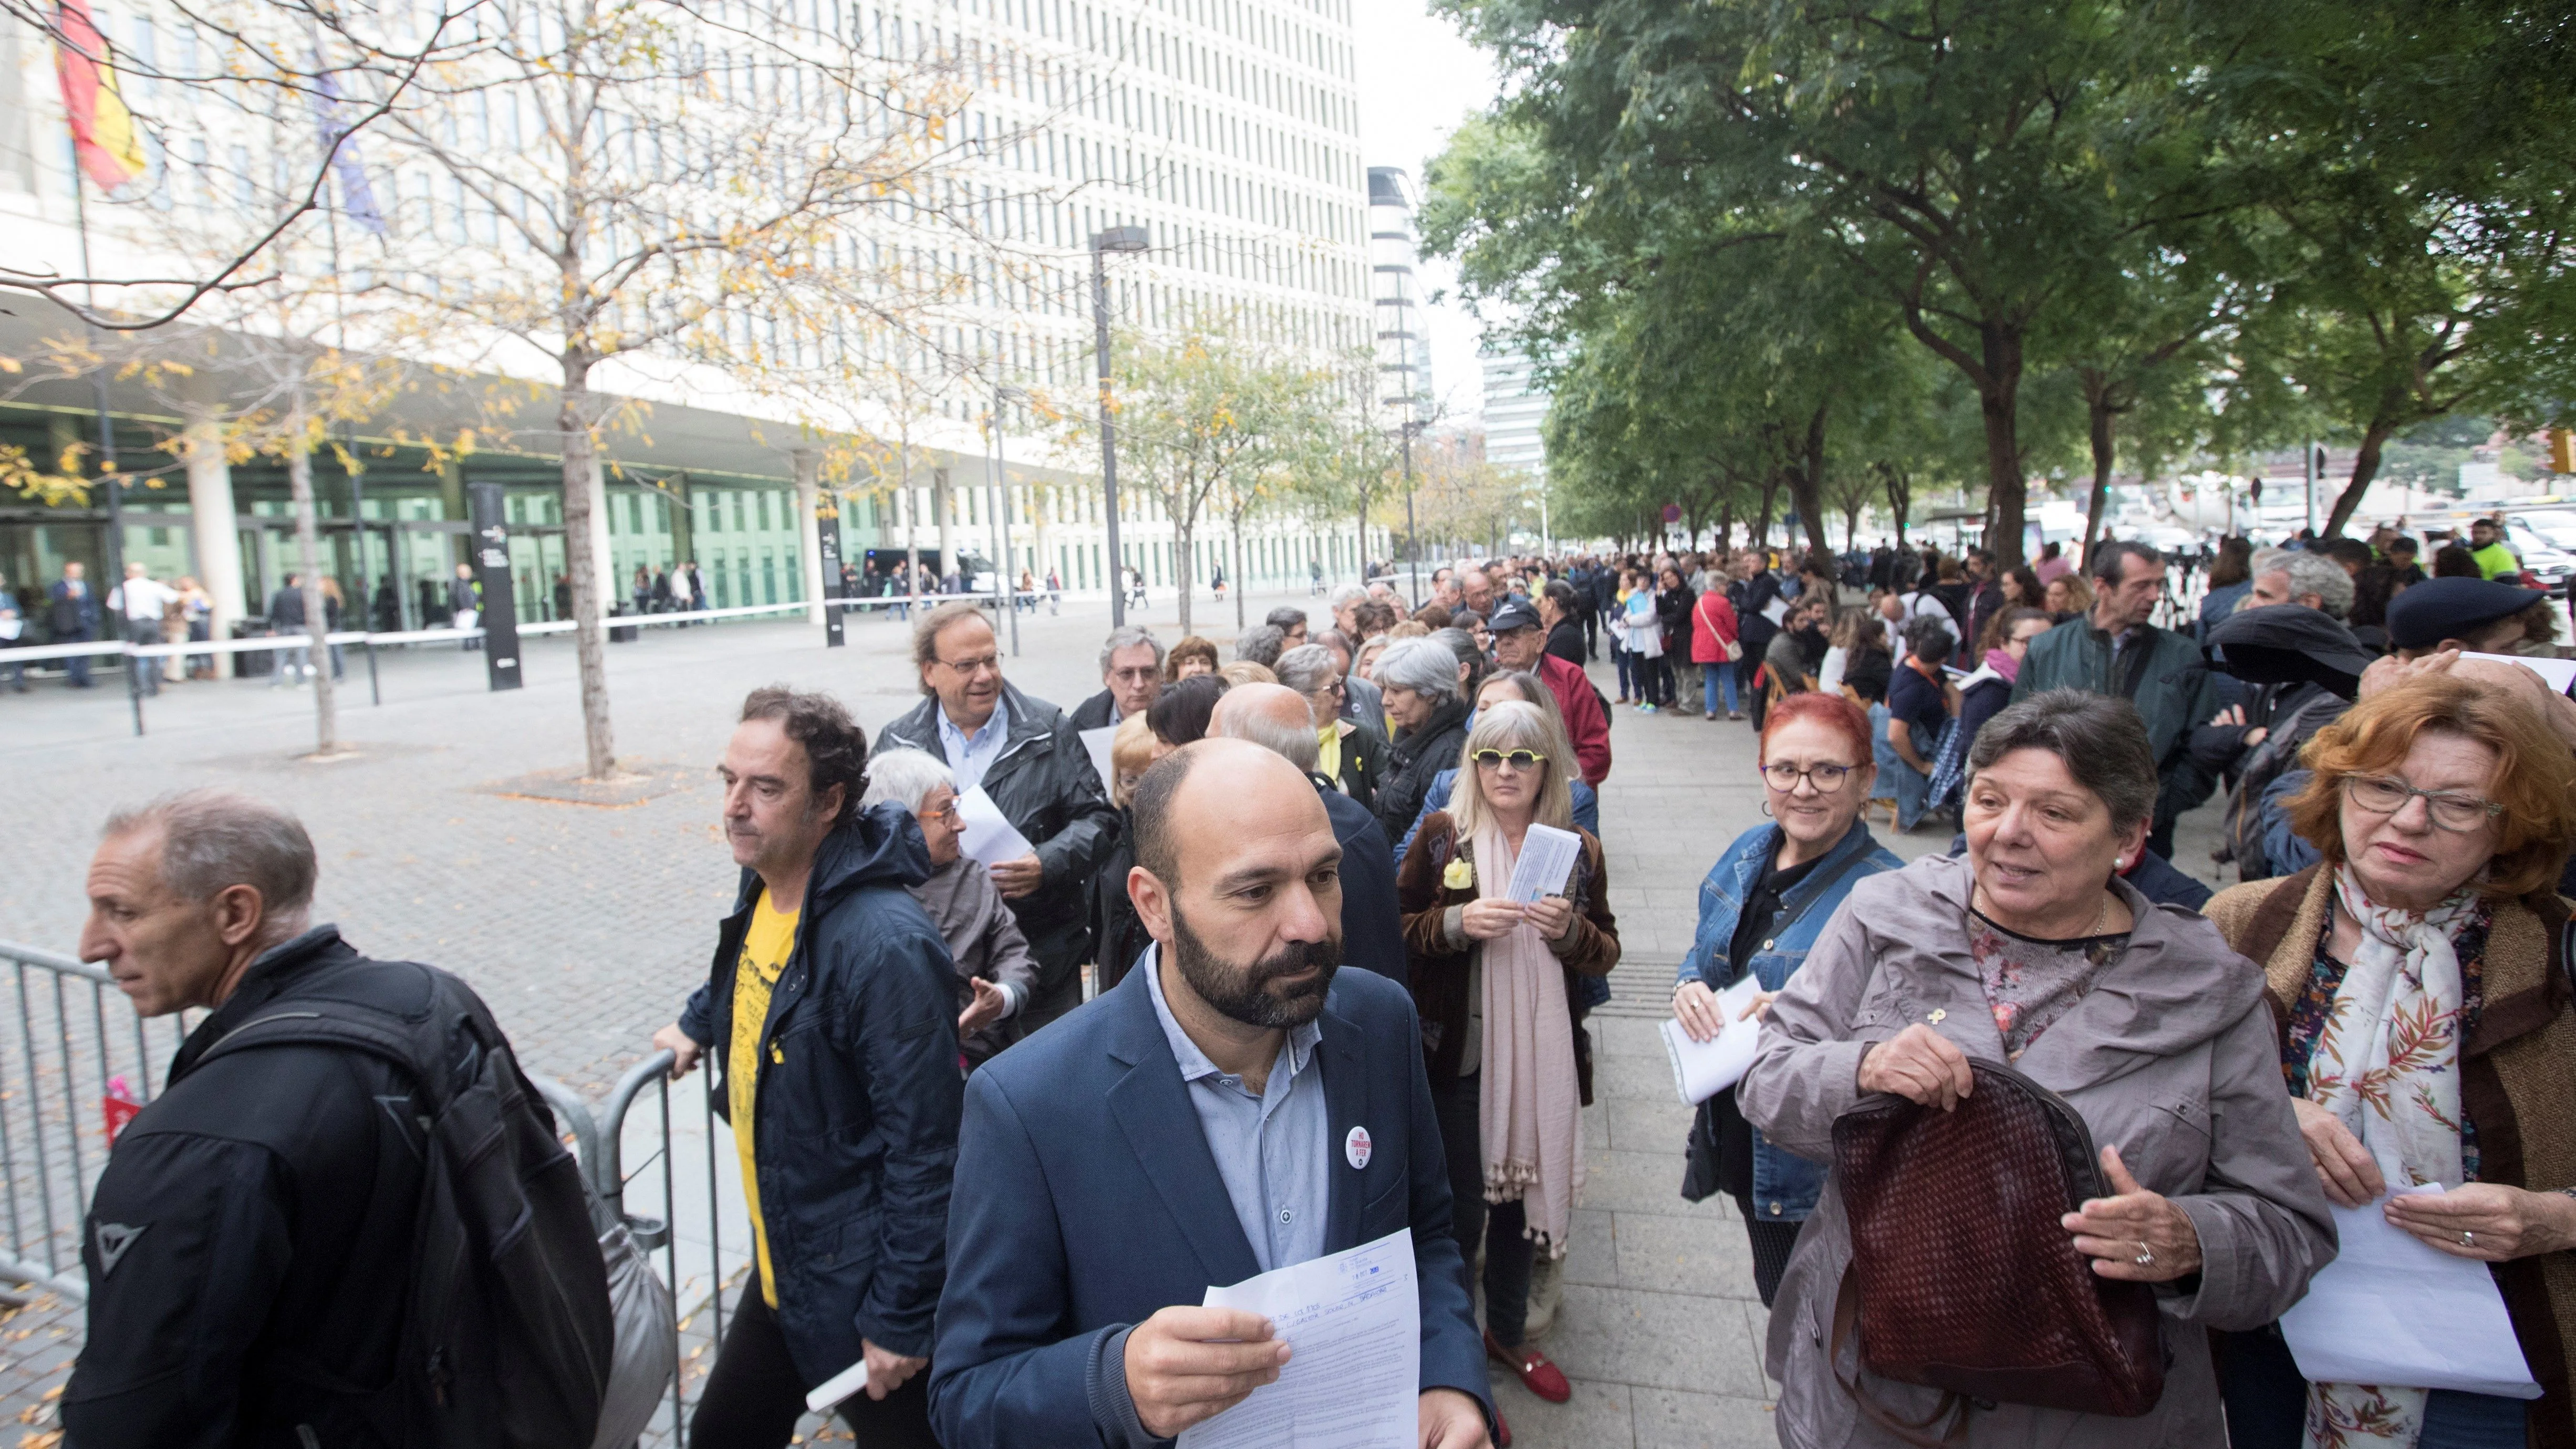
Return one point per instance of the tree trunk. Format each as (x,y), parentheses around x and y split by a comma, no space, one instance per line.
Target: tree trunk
(2365,468)
(2098,411)
(1184,535)
(590,644)
(1726,523)
(1238,573)
(308,560)
(1999,400)
(1900,496)
(1807,482)
(903,515)
(1762,520)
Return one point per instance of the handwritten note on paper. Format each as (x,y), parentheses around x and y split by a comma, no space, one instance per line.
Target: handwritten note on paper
(1702,1069)
(2391,1309)
(1546,860)
(1353,1322)
(985,833)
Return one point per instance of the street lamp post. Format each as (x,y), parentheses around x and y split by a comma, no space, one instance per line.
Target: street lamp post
(1412,539)
(1115,239)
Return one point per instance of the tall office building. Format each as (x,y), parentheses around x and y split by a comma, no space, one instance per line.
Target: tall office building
(1227,129)
(1515,415)
(1403,336)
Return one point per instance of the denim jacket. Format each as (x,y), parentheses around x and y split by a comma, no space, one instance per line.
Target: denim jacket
(1785,1185)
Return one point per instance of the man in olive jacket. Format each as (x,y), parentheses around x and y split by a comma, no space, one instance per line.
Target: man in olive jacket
(1028,757)
(2117,652)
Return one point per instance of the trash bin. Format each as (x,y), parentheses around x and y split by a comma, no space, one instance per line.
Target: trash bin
(253,663)
(621,633)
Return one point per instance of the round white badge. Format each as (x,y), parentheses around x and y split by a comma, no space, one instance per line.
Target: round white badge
(1356,1147)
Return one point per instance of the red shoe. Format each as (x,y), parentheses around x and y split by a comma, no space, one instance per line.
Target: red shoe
(1502,1431)
(1536,1373)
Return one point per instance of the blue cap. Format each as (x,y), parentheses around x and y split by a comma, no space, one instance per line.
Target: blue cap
(2438,609)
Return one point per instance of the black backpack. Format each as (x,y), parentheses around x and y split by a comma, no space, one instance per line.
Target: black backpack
(507,1336)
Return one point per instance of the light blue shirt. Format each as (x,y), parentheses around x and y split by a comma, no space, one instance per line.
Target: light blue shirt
(969,756)
(1272,1150)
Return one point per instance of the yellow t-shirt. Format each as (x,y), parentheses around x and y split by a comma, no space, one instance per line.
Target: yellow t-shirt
(1328,752)
(764,957)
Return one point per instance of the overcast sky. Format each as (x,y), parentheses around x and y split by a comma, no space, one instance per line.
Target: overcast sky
(1417,77)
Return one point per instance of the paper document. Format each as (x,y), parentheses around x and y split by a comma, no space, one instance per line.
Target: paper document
(1702,1069)
(1353,1322)
(839,1386)
(2560,673)
(2393,1310)
(1546,860)
(986,834)
(1098,742)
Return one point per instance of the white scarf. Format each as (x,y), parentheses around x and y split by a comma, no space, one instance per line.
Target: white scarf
(1530,1112)
(2387,1065)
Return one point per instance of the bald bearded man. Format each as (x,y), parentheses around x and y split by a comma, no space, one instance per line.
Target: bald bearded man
(1231,1107)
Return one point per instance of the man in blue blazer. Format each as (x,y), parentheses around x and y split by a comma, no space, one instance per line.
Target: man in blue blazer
(1232,1106)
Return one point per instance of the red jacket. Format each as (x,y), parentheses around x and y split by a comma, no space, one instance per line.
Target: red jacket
(1585,724)
(1717,628)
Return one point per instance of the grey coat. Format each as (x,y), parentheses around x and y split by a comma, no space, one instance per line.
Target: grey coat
(2170,1057)
(983,940)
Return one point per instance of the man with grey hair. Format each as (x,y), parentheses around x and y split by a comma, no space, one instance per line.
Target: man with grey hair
(995,975)
(1261,644)
(1131,674)
(2296,576)
(250,1247)
(1420,679)
(1342,600)
(1290,621)
(1278,718)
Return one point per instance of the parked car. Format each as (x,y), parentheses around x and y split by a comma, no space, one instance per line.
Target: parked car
(2542,559)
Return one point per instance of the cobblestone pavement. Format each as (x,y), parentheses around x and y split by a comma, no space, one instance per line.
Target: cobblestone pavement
(586,927)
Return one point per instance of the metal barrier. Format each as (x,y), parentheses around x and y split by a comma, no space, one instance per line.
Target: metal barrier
(75,1036)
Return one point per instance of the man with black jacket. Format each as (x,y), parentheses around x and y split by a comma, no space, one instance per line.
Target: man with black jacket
(1026,755)
(830,1006)
(250,1243)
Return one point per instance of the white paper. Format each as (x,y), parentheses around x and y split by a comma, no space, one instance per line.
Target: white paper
(1546,860)
(2393,1310)
(986,834)
(1353,1322)
(1702,1069)
(2559,673)
(1098,742)
(838,1387)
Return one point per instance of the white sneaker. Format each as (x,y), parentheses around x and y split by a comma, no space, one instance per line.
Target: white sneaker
(1547,1286)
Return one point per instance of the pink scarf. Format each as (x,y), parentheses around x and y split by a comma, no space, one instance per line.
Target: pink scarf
(1530,1117)
(2004,664)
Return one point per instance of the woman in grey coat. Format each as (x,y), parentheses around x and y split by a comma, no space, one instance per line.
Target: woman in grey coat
(995,974)
(2031,950)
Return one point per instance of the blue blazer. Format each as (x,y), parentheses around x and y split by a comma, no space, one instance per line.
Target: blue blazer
(1086,1198)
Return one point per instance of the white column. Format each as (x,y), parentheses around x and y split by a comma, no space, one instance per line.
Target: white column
(210,518)
(809,538)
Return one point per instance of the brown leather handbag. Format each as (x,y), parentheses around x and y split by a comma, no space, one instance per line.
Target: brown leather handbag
(1962,1280)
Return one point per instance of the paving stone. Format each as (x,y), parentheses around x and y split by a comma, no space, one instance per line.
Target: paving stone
(1667,1419)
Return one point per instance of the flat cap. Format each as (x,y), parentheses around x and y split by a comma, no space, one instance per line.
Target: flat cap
(1514,613)
(2438,609)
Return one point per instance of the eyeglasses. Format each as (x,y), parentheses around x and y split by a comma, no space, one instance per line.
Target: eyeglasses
(1784,777)
(944,812)
(1517,759)
(2381,795)
(977,665)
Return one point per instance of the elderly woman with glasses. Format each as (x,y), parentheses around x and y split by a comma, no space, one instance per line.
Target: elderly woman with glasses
(2419,979)
(995,973)
(1352,757)
(2032,951)
(1760,911)
(1495,981)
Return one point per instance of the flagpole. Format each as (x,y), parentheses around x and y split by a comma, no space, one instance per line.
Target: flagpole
(113,566)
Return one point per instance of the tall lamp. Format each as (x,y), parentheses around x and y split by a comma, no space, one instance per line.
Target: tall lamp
(1115,239)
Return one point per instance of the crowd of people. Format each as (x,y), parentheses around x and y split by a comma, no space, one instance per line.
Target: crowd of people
(1259,990)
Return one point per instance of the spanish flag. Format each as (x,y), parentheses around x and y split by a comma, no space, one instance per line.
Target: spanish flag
(103,132)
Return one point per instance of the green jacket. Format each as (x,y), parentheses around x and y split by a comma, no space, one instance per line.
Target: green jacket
(2173,689)
(2495,560)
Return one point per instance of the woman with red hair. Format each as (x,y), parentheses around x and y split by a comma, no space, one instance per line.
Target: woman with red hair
(1760,908)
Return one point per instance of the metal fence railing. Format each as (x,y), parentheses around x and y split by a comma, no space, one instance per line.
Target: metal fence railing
(70,1044)
(75,1059)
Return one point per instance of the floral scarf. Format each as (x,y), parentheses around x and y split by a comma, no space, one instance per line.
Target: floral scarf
(2388,1065)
